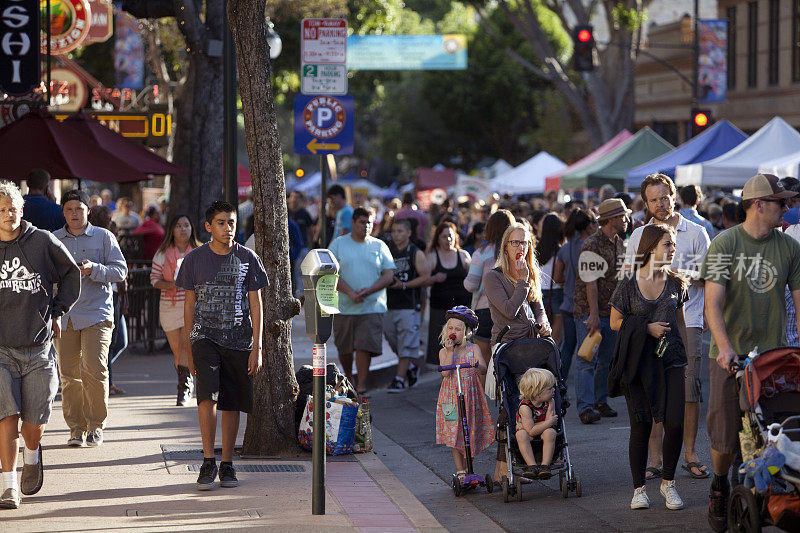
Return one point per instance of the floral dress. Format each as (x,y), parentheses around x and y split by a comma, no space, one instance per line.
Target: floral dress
(448,427)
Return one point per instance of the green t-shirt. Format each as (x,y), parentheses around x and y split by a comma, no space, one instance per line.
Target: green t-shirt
(754,274)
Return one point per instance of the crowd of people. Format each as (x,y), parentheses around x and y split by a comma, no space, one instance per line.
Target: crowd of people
(643,277)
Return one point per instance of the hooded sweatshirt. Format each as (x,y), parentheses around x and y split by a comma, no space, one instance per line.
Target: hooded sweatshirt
(31,266)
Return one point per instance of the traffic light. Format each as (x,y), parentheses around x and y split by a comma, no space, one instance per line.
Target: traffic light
(701,120)
(583,44)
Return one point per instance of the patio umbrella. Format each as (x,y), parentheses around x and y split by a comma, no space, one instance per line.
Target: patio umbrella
(39,140)
(132,153)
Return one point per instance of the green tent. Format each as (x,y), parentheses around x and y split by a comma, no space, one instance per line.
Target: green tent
(613,167)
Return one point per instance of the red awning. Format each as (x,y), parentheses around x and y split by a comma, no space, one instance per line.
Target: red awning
(429,178)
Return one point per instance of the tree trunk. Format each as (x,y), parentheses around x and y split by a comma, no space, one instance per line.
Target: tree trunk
(198,121)
(270,428)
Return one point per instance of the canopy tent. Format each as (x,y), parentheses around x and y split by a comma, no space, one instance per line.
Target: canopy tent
(783,167)
(553,181)
(498,168)
(612,168)
(715,141)
(435,178)
(307,185)
(732,169)
(528,178)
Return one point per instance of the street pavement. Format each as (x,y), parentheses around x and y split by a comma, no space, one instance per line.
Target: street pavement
(599,458)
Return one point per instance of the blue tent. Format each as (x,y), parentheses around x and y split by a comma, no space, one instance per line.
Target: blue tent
(712,143)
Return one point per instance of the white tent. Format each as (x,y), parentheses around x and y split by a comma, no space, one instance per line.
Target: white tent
(528,178)
(786,166)
(498,168)
(776,139)
(307,185)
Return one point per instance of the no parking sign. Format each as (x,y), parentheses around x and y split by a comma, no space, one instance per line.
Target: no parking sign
(323,125)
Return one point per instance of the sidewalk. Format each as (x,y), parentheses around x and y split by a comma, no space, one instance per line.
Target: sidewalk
(142,476)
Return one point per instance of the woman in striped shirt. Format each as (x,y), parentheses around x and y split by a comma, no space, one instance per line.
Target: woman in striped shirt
(180,239)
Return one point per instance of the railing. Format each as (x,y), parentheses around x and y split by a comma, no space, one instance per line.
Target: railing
(143,299)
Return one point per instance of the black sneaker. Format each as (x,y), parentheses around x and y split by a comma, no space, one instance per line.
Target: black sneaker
(227,475)
(605,410)
(589,416)
(396,386)
(718,510)
(412,375)
(208,472)
(94,438)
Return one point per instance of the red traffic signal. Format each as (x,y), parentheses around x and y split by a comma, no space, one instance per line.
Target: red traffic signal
(701,120)
(583,44)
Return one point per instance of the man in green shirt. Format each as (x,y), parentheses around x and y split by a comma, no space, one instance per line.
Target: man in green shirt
(745,272)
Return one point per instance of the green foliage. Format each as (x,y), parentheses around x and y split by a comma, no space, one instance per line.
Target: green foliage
(629,19)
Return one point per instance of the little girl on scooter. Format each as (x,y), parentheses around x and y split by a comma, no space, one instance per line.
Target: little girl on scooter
(536,419)
(461,322)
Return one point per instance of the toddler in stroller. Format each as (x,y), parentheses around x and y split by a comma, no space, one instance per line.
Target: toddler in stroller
(512,361)
(535,420)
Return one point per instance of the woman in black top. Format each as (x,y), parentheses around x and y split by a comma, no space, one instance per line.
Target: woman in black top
(449,266)
(653,380)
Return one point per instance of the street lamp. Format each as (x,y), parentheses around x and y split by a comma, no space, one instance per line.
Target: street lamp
(273,40)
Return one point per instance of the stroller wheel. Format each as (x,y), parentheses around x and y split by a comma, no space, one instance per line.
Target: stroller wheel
(518,488)
(562,484)
(578,488)
(456,486)
(744,515)
(504,487)
(489,484)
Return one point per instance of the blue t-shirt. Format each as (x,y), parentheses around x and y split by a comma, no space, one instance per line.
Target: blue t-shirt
(792,216)
(344,221)
(220,284)
(43,213)
(360,265)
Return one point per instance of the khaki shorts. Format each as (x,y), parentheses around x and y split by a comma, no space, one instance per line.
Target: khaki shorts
(358,332)
(401,329)
(724,418)
(694,359)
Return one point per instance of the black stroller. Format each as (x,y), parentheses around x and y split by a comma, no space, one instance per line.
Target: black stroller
(511,360)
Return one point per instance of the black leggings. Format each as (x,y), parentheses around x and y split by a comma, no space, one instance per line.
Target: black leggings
(673,431)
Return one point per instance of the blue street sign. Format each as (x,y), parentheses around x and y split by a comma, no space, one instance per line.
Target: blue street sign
(323,124)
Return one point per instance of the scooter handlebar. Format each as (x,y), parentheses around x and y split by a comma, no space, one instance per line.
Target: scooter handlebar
(445,368)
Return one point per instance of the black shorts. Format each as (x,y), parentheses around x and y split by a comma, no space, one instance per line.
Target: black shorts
(222,376)
(485,325)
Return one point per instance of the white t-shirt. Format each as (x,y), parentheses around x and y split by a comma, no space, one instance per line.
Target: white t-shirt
(690,250)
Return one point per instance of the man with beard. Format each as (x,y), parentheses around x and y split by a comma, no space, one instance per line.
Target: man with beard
(691,245)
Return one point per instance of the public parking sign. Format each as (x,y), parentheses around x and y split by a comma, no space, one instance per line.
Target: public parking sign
(323,124)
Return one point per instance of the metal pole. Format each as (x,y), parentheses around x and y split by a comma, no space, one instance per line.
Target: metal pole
(318,446)
(230,112)
(696,54)
(323,217)
(49,53)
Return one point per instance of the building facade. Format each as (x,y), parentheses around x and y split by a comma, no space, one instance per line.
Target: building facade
(763,78)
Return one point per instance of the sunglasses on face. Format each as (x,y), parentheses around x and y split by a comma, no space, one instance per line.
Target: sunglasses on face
(781,202)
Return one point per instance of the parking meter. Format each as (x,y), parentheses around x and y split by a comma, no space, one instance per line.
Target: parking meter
(320,271)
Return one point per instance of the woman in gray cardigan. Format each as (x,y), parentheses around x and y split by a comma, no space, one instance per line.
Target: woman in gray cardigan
(514,292)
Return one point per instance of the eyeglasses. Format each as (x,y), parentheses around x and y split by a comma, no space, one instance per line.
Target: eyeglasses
(781,201)
(518,244)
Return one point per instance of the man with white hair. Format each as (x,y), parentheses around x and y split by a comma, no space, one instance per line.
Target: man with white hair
(34,262)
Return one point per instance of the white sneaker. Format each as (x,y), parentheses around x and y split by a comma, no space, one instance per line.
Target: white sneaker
(640,499)
(670,493)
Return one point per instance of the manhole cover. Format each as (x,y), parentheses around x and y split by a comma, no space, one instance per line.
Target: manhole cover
(258,468)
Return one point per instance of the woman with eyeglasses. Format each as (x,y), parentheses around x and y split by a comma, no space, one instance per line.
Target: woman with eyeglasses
(514,291)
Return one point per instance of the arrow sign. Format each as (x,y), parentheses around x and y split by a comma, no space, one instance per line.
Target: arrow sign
(315,145)
(323,124)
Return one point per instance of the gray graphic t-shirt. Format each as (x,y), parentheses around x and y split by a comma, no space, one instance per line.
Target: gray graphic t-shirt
(221,284)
